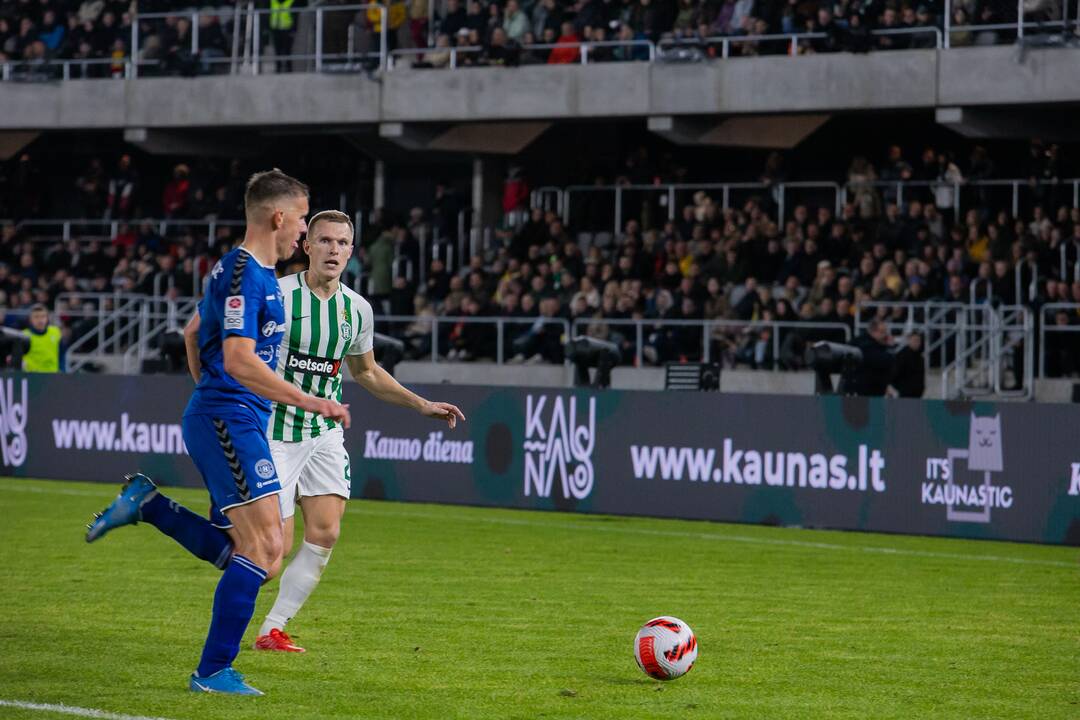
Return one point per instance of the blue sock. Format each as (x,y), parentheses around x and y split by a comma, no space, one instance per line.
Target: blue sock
(195,533)
(234,604)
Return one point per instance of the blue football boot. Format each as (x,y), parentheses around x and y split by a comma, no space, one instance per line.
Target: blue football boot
(227,680)
(124,510)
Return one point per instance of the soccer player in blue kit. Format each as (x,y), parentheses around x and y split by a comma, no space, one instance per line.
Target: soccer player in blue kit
(241,321)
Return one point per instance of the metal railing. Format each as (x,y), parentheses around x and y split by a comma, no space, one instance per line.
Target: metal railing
(970,374)
(1020,25)
(243,39)
(157,316)
(240,45)
(899,190)
(437,322)
(712,328)
(1018,282)
(956,339)
(977,346)
(423,53)
(1016,30)
(669,197)
(1048,327)
(112,330)
(941,324)
(1014,351)
(1065,270)
(791,40)
(118,325)
(246,55)
(84,228)
(584,48)
(45,69)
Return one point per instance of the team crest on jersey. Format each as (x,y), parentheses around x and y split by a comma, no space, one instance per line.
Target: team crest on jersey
(264,469)
(346,330)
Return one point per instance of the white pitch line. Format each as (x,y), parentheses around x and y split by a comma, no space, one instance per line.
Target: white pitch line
(72,710)
(716,536)
(19,486)
(16,485)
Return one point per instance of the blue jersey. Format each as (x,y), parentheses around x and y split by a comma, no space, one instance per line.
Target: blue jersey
(242,300)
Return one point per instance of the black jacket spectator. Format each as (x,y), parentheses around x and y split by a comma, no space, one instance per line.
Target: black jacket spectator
(454,19)
(501,51)
(909,373)
(1062,349)
(857,38)
(833,34)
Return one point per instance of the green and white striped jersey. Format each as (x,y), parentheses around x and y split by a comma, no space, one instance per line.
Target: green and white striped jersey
(318,335)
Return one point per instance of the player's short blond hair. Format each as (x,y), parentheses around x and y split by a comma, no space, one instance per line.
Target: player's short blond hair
(334,216)
(265,188)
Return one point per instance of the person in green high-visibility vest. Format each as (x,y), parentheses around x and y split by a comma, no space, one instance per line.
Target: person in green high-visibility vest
(282,30)
(45,354)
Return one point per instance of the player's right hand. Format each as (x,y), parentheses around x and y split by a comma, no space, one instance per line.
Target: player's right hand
(330,410)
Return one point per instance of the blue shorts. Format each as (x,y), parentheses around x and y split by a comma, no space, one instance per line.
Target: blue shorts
(234,458)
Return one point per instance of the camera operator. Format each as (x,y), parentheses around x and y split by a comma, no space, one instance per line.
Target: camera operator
(872,376)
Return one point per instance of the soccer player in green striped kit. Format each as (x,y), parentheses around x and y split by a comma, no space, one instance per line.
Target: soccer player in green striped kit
(326,324)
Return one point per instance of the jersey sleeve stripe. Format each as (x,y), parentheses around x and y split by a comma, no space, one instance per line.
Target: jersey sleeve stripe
(236,283)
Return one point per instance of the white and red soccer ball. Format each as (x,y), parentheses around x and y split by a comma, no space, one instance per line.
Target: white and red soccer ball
(665,648)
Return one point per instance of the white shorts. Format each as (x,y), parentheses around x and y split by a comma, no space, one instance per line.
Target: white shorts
(319,466)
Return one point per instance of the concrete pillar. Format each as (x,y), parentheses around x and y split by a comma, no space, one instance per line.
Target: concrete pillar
(487,185)
(378,199)
(478,188)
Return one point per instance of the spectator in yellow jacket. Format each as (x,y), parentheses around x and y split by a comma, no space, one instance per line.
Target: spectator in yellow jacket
(45,354)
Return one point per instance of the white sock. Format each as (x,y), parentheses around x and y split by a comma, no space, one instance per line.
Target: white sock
(297,583)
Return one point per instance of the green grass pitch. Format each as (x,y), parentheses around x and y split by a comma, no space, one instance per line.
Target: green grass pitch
(454,612)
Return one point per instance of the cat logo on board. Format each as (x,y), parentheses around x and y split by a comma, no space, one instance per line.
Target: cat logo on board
(967,489)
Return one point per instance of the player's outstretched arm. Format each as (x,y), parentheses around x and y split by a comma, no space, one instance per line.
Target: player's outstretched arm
(191,347)
(383,386)
(246,368)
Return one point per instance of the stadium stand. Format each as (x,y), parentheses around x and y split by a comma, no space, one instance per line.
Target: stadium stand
(96,39)
(894,233)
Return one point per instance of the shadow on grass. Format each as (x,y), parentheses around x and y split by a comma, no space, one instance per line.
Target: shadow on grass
(637,682)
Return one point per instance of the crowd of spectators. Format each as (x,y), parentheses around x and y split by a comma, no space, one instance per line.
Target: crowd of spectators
(547,31)
(740,264)
(38,30)
(39,267)
(520,32)
(499,32)
(100,31)
(114,189)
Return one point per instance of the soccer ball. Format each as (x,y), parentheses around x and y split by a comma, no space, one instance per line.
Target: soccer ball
(665,648)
